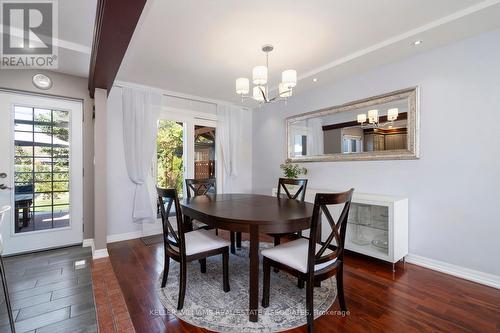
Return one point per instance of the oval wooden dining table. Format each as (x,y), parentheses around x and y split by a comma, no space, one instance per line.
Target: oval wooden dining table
(253,214)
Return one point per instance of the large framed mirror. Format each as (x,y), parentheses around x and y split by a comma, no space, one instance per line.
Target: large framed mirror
(384,127)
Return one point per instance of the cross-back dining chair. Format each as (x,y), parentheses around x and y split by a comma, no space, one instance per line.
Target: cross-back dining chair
(312,260)
(185,247)
(285,192)
(197,187)
(3,211)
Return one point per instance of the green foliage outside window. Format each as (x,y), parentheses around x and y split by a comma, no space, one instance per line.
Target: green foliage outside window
(169,155)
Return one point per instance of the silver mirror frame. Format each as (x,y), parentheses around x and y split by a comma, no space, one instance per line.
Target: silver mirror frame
(412,152)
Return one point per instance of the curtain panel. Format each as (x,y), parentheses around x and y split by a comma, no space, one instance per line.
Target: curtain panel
(140,112)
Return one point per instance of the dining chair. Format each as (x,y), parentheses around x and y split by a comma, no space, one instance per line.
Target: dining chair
(197,187)
(309,260)
(185,247)
(4,210)
(284,191)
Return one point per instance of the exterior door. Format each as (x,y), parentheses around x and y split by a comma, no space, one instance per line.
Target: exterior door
(41,169)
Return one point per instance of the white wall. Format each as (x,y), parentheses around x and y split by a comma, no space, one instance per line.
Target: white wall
(121,189)
(454,188)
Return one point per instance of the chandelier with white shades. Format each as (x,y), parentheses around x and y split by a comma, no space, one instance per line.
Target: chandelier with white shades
(374,118)
(260,79)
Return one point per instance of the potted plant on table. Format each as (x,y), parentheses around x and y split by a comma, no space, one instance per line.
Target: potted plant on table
(292,170)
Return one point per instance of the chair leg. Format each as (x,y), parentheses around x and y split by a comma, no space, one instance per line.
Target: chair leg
(225,270)
(232,237)
(277,241)
(340,289)
(266,282)
(7,297)
(182,285)
(310,304)
(216,232)
(238,240)
(203,265)
(165,271)
(300,283)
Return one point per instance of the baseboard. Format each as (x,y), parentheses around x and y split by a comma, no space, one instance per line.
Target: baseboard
(487,279)
(154,231)
(124,236)
(101,253)
(133,235)
(96,254)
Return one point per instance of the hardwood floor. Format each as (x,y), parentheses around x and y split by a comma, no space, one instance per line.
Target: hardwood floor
(413,299)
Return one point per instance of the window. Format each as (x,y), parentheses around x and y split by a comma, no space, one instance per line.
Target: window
(41,171)
(351,144)
(204,152)
(300,145)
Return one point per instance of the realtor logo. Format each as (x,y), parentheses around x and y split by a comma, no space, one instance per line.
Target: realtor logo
(29,29)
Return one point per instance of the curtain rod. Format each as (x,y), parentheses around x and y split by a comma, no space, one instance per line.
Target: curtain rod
(175,96)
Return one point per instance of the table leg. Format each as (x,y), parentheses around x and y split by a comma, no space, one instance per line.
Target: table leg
(188,223)
(254,274)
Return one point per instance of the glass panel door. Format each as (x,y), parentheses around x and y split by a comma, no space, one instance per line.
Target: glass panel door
(170,155)
(204,152)
(42,171)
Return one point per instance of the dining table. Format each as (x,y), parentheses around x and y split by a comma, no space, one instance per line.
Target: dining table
(253,214)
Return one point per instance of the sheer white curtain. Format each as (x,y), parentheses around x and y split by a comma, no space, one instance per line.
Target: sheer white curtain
(229,138)
(140,112)
(315,138)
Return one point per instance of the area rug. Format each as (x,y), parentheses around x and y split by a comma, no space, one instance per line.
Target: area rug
(206,305)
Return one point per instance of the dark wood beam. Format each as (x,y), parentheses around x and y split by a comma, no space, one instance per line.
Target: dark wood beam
(114,26)
(382,119)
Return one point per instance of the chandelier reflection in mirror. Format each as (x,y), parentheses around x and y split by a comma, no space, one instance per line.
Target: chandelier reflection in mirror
(375,121)
(260,79)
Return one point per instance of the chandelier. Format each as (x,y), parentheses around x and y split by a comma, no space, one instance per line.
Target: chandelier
(374,121)
(260,79)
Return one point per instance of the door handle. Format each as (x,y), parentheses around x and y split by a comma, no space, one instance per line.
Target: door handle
(3,175)
(5,187)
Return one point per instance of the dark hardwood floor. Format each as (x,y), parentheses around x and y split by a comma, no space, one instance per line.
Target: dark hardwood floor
(413,299)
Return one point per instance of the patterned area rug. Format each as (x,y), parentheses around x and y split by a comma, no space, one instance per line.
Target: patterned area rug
(206,305)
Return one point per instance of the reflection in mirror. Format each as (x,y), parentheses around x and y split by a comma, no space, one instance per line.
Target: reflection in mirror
(376,128)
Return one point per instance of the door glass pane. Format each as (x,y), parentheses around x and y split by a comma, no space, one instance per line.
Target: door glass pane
(41,175)
(204,152)
(170,147)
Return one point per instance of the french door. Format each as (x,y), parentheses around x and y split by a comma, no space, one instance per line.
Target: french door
(185,149)
(41,170)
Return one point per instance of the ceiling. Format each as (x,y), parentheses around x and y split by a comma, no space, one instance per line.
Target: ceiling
(76,27)
(201,47)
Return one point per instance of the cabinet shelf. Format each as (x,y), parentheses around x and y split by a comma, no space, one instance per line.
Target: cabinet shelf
(371,226)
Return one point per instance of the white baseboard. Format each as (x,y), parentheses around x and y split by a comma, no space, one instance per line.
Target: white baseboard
(101,253)
(124,236)
(96,254)
(133,235)
(487,279)
(153,231)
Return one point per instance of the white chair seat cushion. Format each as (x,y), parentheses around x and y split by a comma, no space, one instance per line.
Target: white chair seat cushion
(202,240)
(294,254)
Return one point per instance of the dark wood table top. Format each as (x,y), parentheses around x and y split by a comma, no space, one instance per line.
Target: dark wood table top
(250,209)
